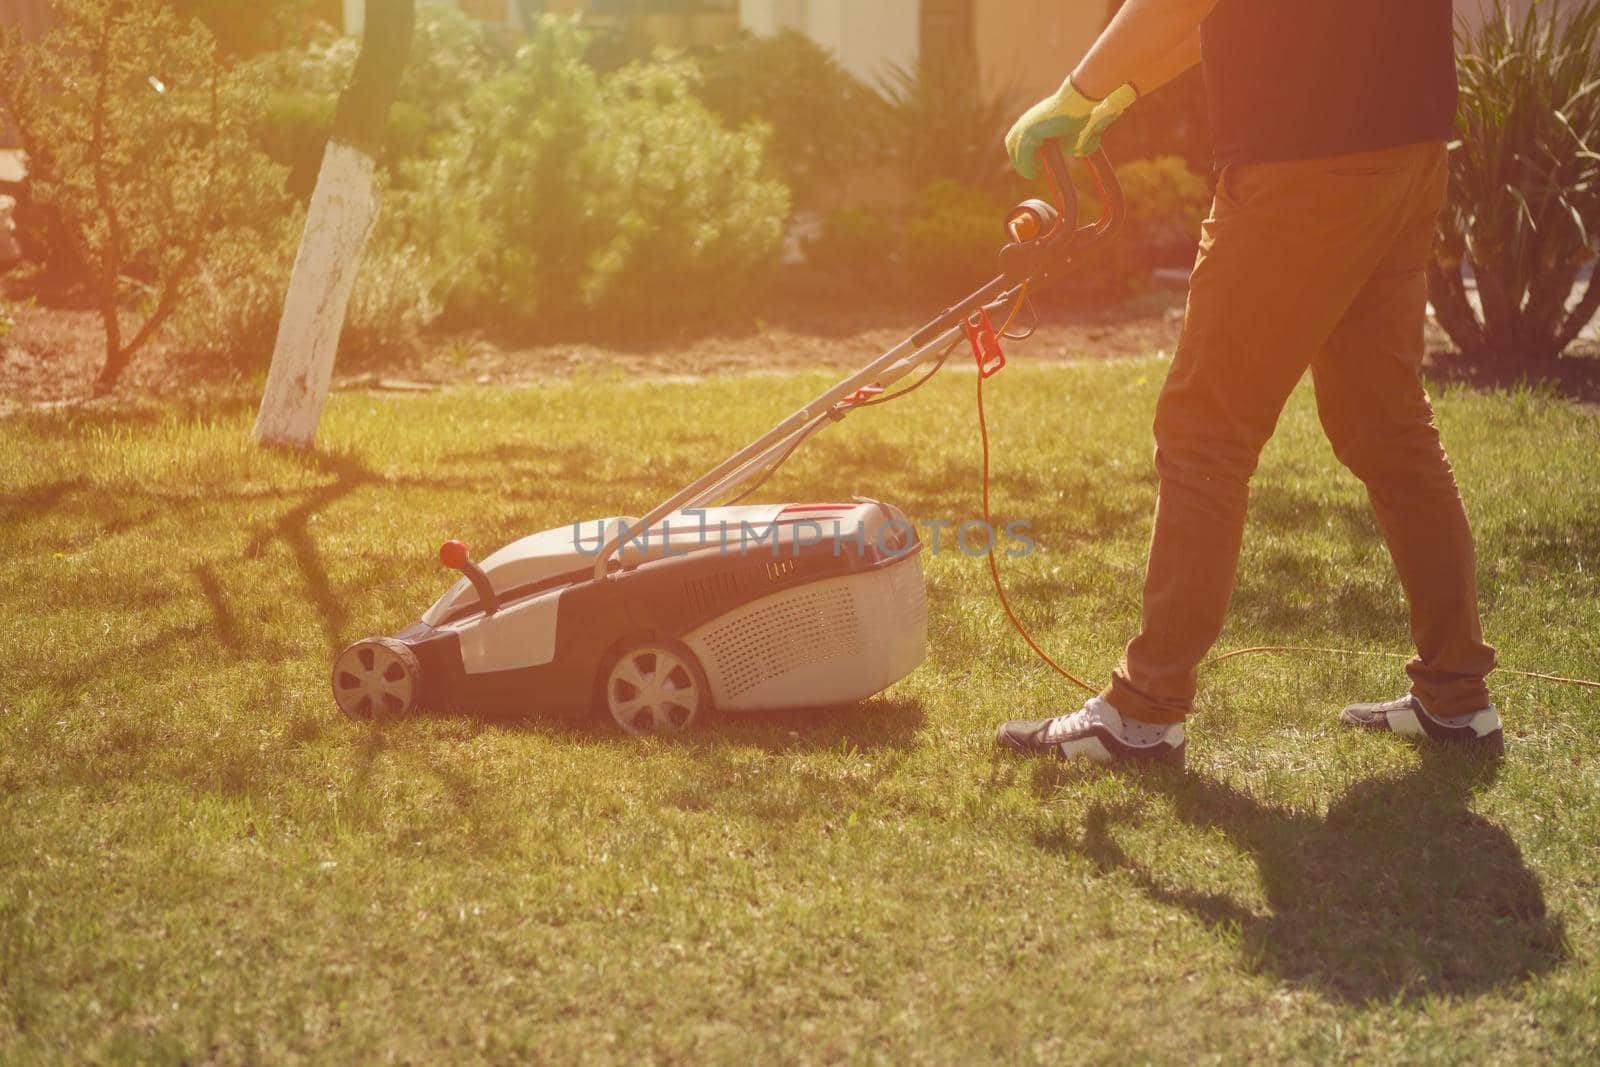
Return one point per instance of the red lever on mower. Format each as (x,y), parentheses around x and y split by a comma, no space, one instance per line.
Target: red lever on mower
(454,554)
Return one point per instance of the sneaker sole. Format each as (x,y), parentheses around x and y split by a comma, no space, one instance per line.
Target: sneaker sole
(1120,757)
(1174,758)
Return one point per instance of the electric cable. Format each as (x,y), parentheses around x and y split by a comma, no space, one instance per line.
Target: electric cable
(1033,318)
(780,461)
(1313,649)
(914,386)
(988,522)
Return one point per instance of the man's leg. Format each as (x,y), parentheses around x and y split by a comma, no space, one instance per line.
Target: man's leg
(1288,249)
(1376,413)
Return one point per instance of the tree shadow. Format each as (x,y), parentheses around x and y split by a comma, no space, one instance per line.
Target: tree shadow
(1290,593)
(1567,548)
(38,499)
(1277,505)
(150,645)
(224,623)
(1399,892)
(292,528)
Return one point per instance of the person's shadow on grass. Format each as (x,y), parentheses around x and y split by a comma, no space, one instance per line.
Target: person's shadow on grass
(1399,891)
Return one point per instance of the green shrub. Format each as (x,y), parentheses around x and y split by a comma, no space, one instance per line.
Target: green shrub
(857,247)
(249,28)
(946,244)
(826,124)
(949,240)
(230,314)
(617,199)
(412,262)
(451,53)
(292,129)
(685,216)
(952,240)
(1524,202)
(532,194)
(1166,204)
(529,194)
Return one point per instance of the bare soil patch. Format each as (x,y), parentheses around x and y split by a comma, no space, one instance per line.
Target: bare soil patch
(52,356)
(54,353)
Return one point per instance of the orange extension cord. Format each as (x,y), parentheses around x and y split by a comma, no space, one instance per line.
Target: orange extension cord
(1005,602)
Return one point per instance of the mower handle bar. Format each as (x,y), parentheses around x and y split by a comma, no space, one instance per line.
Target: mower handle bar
(1114,206)
(1057,248)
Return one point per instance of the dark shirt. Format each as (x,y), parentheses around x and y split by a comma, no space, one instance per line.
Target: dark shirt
(1293,79)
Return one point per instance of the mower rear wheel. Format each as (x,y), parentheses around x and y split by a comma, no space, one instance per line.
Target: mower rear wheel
(376,676)
(654,687)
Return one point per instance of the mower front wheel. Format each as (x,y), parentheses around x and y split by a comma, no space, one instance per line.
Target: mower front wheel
(376,676)
(653,686)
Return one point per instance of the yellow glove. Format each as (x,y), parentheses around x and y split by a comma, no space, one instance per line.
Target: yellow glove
(1106,112)
(1069,116)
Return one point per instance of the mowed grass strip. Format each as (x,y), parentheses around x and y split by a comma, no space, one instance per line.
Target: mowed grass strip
(200,860)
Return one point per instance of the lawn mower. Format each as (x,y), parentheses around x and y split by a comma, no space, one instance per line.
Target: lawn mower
(705,602)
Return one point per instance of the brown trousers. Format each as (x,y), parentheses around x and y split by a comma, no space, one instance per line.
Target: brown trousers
(1317,263)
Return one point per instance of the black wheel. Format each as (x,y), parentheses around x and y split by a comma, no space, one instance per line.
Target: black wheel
(377,676)
(653,686)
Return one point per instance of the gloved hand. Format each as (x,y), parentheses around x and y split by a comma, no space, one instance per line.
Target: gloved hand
(1069,116)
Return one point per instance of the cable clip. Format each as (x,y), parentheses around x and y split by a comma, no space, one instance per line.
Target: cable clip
(862,395)
(865,395)
(985,344)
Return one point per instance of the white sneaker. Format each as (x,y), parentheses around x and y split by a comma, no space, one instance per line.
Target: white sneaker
(1098,732)
(1407,717)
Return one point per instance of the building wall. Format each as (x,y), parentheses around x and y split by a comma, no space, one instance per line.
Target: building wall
(31,16)
(1023,47)
(491,10)
(867,37)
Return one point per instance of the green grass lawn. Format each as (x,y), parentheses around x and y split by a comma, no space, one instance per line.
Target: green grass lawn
(201,860)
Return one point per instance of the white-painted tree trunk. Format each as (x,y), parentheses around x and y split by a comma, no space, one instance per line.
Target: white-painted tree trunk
(343,208)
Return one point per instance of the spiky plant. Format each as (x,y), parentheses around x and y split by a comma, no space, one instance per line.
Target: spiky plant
(1524,204)
(944,124)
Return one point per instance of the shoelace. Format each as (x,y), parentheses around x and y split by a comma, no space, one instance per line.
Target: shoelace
(1073,722)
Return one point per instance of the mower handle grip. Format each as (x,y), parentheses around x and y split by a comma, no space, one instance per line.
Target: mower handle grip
(1066,194)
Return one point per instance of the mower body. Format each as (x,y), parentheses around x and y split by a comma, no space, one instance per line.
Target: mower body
(776,606)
